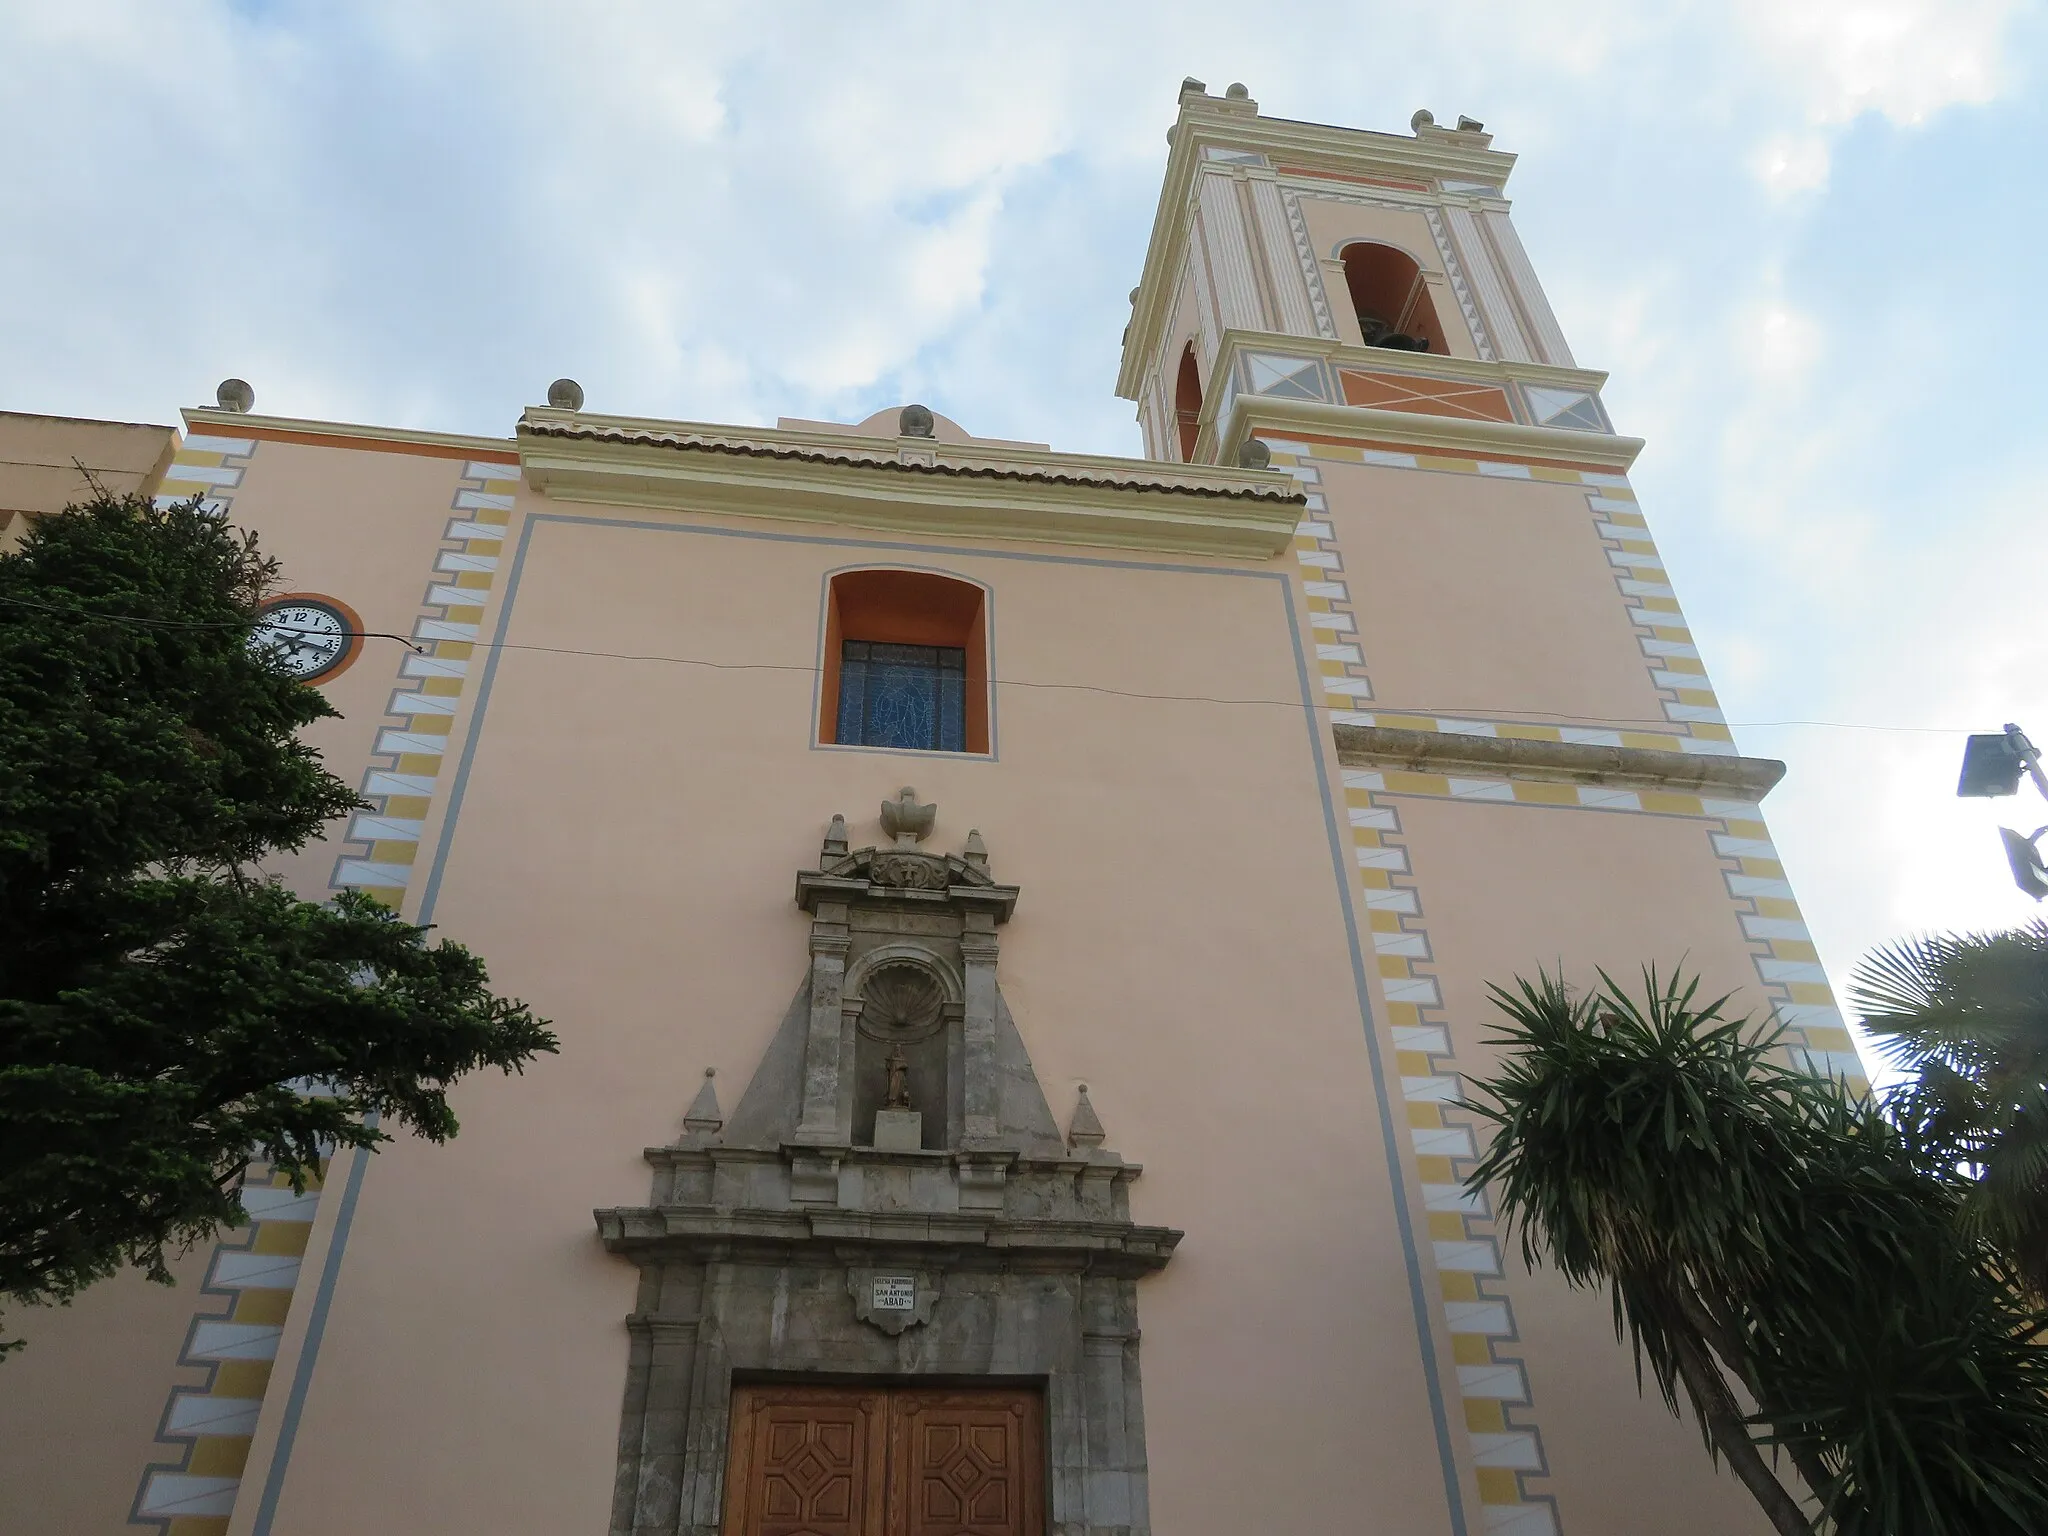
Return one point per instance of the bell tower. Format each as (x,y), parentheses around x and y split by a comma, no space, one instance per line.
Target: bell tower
(1282,251)
(1534,767)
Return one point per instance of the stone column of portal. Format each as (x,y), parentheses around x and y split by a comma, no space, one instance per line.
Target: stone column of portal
(1116,1490)
(819,1124)
(982,1109)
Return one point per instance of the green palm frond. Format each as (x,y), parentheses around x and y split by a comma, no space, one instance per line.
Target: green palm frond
(1793,1238)
(1967,1016)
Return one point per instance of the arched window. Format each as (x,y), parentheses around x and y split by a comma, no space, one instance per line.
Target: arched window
(906,662)
(1187,403)
(1391,298)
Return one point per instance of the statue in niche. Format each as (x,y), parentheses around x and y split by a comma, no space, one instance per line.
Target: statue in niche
(898,1095)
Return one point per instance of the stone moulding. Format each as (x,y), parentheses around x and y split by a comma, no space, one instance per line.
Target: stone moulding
(699,1232)
(1454,435)
(343,434)
(974,490)
(1747,778)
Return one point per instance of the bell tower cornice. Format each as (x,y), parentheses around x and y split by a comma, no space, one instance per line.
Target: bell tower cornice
(1448,404)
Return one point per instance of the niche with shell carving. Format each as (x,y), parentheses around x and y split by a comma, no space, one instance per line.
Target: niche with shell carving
(905,1002)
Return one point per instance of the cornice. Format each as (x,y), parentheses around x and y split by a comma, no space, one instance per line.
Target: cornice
(967,1240)
(1747,778)
(1456,435)
(1430,365)
(341,434)
(911,484)
(1433,155)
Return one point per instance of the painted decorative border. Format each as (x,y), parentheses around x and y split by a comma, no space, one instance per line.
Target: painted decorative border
(1789,973)
(402,780)
(1431,211)
(1695,721)
(1493,1388)
(210,468)
(210,1427)
(1504,1437)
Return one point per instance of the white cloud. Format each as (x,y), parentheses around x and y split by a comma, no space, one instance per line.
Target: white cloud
(1907,60)
(1790,163)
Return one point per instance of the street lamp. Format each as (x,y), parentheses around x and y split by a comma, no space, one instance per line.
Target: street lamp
(1992,764)
(2029,871)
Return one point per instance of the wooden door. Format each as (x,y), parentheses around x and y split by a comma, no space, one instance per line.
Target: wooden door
(807,1462)
(964,1463)
(875,1461)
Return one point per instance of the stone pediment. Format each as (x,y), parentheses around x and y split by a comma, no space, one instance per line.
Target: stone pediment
(867,874)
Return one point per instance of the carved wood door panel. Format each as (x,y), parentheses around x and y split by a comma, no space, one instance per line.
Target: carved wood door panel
(807,1462)
(964,1464)
(843,1461)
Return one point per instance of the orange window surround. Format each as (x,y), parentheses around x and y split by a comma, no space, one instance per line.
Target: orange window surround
(907,608)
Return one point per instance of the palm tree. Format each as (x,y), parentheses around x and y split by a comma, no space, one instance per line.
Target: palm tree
(1764,1235)
(1967,1015)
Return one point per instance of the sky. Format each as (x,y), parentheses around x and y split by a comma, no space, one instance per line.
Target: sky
(1803,236)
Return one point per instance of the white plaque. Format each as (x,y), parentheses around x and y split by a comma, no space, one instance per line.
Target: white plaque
(895,1293)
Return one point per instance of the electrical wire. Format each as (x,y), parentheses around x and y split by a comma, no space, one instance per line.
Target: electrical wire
(1371,706)
(146,623)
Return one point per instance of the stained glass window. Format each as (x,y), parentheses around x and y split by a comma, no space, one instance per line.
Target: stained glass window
(903,696)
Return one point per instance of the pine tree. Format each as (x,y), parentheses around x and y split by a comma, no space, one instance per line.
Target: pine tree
(167,1013)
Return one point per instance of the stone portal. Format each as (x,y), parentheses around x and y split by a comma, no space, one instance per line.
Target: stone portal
(890,1213)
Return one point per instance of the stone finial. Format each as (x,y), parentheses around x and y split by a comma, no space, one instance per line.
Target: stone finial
(1252,453)
(907,821)
(835,840)
(1470,125)
(565,395)
(976,851)
(235,395)
(1192,84)
(915,421)
(1424,118)
(704,1117)
(1236,91)
(1085,1129)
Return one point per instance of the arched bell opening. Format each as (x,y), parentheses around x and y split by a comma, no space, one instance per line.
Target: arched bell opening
(1187,403)
(1391,298)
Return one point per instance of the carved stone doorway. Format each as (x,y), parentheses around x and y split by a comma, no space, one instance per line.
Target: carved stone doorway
(886,1461)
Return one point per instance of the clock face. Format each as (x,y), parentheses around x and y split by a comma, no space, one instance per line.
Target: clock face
(311,637)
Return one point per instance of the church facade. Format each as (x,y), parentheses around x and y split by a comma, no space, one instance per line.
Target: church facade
(1018,926)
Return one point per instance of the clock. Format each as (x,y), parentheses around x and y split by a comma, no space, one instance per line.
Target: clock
(314,637)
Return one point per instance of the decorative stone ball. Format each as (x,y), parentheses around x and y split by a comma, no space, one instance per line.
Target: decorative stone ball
(565,395)
(916,421)
(235,395)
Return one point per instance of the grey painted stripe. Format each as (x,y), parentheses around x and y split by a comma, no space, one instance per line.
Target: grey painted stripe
(316,1327)
(1417,1286)
(1390,1131)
